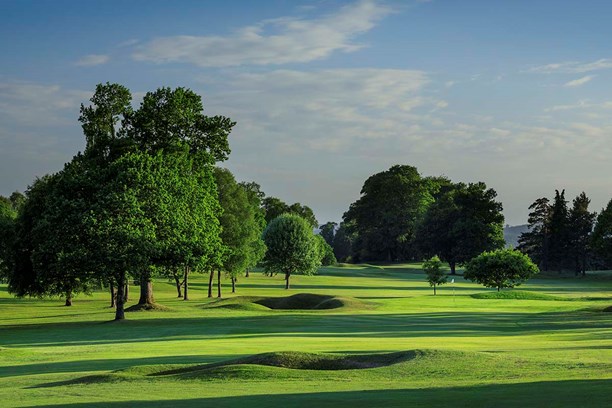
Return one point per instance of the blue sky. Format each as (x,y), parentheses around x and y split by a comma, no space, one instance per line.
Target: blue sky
(516,94)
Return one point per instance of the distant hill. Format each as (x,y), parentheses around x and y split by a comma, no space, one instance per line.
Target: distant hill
(512,233)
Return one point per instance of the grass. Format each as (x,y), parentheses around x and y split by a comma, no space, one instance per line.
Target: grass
(391,343)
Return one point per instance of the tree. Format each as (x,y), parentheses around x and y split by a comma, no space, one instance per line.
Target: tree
(501,268)
(385,218)
(559,232)
(433,269)
(328,231)
(464,221)
(257,248)
(274,207)
(292,247)
(581,222)
(601,240)
(342,244)
(535,242)
(326,253)
(7,236)
(239,226)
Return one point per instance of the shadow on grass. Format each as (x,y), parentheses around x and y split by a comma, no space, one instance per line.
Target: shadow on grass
(105,364)
(308,324)
(573,393)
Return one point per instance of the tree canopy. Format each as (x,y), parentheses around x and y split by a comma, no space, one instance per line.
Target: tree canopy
(502,268)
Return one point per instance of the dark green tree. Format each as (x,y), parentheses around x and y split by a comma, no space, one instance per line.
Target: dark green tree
(257,247)
(8,214)
(581,222)
(502,268)
(291,247)
(559,232)
(327,231)
(342,244)
(535,242)
(463,222)
(385,218)
(601,240)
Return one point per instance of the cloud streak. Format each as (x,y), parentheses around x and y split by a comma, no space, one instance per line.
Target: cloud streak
(573,67)
(272,42)
(578,82)
(92,60)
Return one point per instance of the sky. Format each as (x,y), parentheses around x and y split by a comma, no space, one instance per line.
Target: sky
(325,93)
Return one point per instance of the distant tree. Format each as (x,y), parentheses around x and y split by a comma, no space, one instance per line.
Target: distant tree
(463,222)
(433,269)
(257,246)
(239,226)
(328,231)
(342,244)
(7,236)
(502,268)
(581,222)
(17,200)
(274,207)
(559,232)
(326,253)
(385,218)
(601,240)
(292,247)
(536,241)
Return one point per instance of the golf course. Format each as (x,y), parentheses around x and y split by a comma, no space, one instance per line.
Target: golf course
(351,335)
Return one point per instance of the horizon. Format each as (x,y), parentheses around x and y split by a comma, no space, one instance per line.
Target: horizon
(327,93)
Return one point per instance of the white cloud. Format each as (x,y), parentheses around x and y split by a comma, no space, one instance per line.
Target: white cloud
(573,67)
(92,60)
(278,41)
(578,82)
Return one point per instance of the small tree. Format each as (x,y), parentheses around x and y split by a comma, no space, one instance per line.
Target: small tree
(435,275)
(326,253)
(502,268)
(292,247)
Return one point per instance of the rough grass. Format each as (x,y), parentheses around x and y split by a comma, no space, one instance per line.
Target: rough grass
(517,295)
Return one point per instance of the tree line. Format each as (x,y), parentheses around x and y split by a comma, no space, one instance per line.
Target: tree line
(562,238)
(144,199)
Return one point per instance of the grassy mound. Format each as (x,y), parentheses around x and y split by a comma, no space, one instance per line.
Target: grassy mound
(300,301)
(154,307)
(309,301)
(608,309)
(303,361)
(517,295)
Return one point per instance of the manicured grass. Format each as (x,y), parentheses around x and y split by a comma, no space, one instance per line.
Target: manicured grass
(395,344)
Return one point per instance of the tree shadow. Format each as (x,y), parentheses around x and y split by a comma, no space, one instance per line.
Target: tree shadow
(571,393)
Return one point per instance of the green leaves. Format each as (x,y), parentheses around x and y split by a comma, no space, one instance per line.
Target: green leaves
(502,268)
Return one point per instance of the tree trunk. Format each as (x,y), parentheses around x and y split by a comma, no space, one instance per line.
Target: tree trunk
(113,294)
(126,291)
(68,298)
(453,266)
(498,288)
(120,312)
(434,286)
(247,273)
(178,285)
(146,291)
(287,275)
(218,283)
(186,284)
(233,285)
(210,282)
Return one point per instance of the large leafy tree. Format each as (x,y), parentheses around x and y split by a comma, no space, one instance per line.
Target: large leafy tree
(601,240)
(8,214)
(385,217)
(328,231)
(502,268)
(342,243)
(291,247)
(257,248)
(463,222)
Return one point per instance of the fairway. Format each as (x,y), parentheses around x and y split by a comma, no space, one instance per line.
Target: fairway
(549,344)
